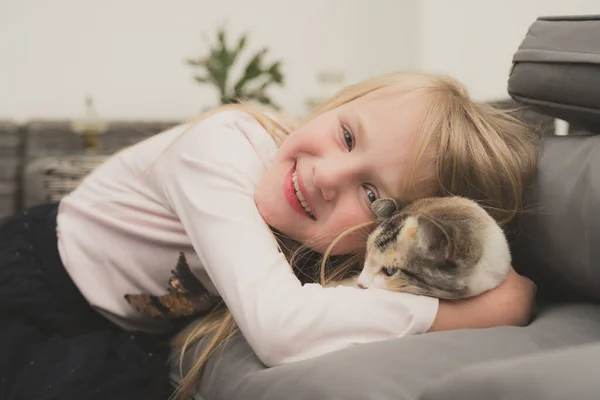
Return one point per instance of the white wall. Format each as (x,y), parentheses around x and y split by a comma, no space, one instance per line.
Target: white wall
(474,40)
(129,54)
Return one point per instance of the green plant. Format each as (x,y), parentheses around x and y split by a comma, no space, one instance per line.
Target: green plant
(256,77)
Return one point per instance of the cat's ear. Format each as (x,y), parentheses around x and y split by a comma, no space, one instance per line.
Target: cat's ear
(436,237)
(385,208)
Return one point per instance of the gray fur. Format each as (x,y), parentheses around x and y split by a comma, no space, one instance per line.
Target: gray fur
(385,208)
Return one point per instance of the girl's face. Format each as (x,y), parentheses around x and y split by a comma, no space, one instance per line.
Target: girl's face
(327,173)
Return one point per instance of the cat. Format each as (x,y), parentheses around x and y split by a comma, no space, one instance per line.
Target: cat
(444,247)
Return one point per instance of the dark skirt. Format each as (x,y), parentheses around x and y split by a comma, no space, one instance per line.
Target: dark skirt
(53,345)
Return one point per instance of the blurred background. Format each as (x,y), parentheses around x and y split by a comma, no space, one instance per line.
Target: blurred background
(80,79)
(129,55)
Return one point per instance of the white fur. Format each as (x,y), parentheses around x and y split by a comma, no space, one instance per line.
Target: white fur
(494,264)
(369,277)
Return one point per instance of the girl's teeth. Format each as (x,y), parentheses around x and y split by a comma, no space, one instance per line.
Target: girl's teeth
(303,201)
(296,186)
(298,192)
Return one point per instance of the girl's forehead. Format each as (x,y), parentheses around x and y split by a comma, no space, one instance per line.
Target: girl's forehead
(391,114)
(395,100)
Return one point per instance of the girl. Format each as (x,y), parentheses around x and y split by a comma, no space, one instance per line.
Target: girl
(215,209)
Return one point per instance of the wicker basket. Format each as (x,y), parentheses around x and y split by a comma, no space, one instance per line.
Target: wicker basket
(51,178)
(11,146)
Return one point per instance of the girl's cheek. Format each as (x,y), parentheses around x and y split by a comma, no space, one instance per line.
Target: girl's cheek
(353,215)
(348,220)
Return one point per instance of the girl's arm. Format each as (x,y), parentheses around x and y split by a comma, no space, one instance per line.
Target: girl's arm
(510,303)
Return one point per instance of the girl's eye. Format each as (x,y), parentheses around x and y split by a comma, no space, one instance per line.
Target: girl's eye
(348,139)
(388,271)
(371,195)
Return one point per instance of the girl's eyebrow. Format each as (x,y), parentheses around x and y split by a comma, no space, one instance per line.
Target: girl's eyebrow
(360,127)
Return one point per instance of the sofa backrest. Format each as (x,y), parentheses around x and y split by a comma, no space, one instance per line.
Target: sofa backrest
(555,240)
(557,69)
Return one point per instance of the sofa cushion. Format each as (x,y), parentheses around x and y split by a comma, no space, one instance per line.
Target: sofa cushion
(557,69)
(555,238)
(395,369)
(546,376)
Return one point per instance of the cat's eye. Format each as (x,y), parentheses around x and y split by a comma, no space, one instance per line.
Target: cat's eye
(388,271)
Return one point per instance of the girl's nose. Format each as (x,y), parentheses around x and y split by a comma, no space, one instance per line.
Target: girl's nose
(328,194)
(329,178)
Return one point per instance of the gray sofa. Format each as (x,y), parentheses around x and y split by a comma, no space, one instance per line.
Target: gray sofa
(499,363)
(555,241)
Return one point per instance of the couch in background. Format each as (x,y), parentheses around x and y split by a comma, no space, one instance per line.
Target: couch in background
(11,160)
(42,160)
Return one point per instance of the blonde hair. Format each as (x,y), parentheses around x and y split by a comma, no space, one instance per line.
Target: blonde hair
(481,153)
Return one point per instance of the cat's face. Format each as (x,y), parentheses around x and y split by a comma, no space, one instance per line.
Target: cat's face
(441,247)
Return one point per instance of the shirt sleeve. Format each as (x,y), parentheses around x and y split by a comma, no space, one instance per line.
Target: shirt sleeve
(208,176)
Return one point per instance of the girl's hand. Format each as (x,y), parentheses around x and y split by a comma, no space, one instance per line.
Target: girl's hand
(510,304)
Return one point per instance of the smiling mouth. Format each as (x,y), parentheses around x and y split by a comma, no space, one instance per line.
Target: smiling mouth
(300,197)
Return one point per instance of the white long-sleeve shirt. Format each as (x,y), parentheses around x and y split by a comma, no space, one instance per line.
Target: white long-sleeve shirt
(121,231)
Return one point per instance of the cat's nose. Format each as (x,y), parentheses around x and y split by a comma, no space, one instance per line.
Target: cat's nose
(362,286)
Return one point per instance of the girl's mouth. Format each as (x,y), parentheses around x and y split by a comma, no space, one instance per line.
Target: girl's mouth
(300,197)
(295,196)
